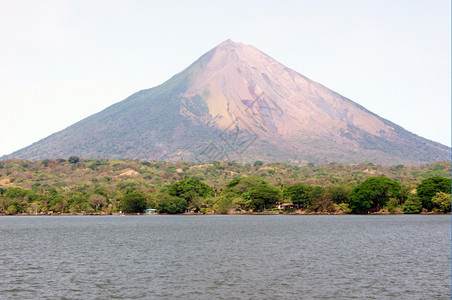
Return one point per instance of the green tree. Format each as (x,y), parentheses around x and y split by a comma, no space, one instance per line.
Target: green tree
(16,197)
(75,202)
(412,205)
(308,197)
(12,209)
(58,203)
(338,194)
(264,196)
(323,203)
(101,190)
(299,194)
(15,192)
(97,163)
(258,163)
(45,162)
(221,204)
(241,185)
(429,187)
(392,205)
(256,193)
(373,194)
(192,190)
(73,159)
(134,202)
(441,201)
(171,205)
(404,193)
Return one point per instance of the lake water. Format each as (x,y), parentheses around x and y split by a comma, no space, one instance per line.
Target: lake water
(226,257)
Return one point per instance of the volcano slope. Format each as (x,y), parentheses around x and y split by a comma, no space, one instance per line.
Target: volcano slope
(237,103)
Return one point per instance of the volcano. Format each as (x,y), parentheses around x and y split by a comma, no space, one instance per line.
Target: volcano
(235,103)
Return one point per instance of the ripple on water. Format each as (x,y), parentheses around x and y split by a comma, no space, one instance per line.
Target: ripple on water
(225,257)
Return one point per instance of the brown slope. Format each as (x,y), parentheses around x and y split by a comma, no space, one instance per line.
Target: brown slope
(240,84)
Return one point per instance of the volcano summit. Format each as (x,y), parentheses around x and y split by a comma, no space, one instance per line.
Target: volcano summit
(237,103)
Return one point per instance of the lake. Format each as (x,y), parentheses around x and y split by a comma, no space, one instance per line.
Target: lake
(226,257)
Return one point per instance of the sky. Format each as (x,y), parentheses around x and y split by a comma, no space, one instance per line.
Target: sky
(62,61)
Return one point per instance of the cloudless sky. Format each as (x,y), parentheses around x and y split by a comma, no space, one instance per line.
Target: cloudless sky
(62,61)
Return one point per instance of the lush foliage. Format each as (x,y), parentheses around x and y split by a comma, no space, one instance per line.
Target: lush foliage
(192,191)
(430,187)
(373,194)
(171,205)
(104,186)
(252,193)
(441,201)
(73,159)
(133,202)
(302,195)
(413,204)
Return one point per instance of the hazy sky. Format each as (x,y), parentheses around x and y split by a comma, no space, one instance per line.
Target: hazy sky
(62,61)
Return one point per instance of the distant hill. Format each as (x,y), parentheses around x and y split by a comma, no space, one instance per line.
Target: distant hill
(236,103)
(155,177)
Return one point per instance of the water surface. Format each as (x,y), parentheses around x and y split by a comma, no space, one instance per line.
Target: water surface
(225,257)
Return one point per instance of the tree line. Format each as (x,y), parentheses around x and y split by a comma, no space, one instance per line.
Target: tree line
(172,195)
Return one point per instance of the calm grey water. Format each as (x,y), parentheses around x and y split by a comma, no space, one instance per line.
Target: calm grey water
(225,257)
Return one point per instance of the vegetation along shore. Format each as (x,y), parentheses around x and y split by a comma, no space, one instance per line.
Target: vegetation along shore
(101,186)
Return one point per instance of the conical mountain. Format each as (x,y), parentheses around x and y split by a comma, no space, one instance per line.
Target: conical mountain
(237,103)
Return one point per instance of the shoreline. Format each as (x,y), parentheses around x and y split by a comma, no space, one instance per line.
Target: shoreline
(302,213)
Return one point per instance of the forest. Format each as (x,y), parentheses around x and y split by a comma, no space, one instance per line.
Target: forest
(100,186)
